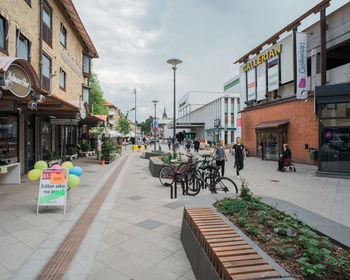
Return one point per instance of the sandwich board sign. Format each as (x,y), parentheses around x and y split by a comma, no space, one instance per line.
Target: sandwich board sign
(53,188)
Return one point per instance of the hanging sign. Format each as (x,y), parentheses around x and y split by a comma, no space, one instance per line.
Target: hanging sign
(17,81)
(251,85)
(261,81)
(272,74)
(53,188)
(301,65)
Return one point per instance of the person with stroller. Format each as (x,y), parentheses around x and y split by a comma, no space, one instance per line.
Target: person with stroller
(240,155)
(285,156)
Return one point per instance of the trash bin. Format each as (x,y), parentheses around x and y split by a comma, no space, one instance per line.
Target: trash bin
(313,154)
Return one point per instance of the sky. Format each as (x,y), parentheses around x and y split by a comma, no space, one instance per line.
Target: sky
(135,38)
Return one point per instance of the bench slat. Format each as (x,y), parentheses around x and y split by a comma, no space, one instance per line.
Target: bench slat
(257,275)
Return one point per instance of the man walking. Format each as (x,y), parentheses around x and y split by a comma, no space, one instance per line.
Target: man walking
(220,156)
(240,155)
(196,145)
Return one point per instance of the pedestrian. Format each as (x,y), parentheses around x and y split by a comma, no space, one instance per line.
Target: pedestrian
(169,143)
(177,146)
(286,154)
(240,155)
(99,147)
(196,145)
(220,156)
(188,143)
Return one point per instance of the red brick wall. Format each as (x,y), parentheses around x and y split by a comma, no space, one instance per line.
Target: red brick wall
(302,127)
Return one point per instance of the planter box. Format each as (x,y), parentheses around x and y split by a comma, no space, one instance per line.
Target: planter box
(155,165)
(87,154)
(150,154)
(52,162)
(71,157)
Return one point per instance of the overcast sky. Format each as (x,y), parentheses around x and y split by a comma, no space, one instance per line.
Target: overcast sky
(135,38)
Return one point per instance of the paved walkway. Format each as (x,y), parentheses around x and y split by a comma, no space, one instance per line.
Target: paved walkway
(136,233)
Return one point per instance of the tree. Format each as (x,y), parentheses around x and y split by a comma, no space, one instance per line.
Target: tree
(96,96)
(146,125)
(123,125)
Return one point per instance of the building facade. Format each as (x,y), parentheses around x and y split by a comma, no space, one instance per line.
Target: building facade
(45,43)
(279,81)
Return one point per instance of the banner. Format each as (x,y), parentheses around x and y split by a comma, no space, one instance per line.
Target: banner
(261,81)
(251,85)
(243,82)
(301,65)
(272,74)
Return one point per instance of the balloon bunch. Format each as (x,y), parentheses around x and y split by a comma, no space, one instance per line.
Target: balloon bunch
(73,176)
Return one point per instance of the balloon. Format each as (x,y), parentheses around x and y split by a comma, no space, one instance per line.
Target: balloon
(67,165)
(40,165)
(56,167)
(73,180)
(34,174)
(76,170)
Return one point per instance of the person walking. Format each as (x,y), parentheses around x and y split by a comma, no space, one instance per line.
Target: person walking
(196,145)
(188,145)
(99,147)
(169,143)
(286,154)
(220,156)
(240,155)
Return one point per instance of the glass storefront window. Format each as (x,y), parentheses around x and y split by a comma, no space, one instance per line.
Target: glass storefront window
(335,110)
(45,137)
(335,149)
(8,139)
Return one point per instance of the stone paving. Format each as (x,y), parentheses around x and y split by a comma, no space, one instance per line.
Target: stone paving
(136,233)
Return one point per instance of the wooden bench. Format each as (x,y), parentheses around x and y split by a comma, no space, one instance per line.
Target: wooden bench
(232,257)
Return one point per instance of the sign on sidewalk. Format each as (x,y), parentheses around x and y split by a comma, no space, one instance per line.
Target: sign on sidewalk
(53,188)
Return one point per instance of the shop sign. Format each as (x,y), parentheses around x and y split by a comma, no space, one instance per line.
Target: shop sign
(64,121)
(3,170)
(301,64)
(275,50)
(7,106)
(272,74)
(17,81)
(53,188)
(217,123)
(251,85)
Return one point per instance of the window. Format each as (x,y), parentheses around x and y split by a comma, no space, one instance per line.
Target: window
(29,2)
(46,133)
(46,72)
(9,138)
(63,36)
(62,79)
(3,34)
(86,95)
(22,46)
(47,23)
(86,64)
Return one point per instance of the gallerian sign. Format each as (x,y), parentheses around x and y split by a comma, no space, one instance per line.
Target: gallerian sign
(17,81)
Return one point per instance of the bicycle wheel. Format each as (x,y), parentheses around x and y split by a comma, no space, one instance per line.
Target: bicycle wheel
(166,175)
(191,183)
(225,185)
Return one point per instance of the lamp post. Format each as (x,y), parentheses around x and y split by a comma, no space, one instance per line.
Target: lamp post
(174,62)
(155,121)
(135,114)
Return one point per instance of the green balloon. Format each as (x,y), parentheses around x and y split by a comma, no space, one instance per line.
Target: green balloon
(34,174)
(73,180)
(67,165)
(40,165)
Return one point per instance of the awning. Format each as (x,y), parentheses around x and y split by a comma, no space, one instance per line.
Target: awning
(271,124)
(185,125)
(211,130)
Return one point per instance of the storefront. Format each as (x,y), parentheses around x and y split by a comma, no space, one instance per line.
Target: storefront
(333,103)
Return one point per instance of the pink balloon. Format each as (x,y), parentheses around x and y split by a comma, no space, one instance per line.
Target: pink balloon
(56,167)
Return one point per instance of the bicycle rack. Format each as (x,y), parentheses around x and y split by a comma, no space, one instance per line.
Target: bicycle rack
(173,186)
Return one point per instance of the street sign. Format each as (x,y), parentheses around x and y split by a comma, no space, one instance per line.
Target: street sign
(155,124)
(53,188)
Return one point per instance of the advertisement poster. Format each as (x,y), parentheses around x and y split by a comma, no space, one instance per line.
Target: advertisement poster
(251,85)
(301,65)
(272,74)
(261,81)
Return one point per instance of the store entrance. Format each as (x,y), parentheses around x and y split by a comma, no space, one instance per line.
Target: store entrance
(30,145)
(269,144)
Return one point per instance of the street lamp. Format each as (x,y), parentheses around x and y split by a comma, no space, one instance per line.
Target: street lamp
(174,62)
(135,114)
(155,121)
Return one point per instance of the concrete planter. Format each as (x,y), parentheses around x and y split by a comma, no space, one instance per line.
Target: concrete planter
(150,154)
(155,165)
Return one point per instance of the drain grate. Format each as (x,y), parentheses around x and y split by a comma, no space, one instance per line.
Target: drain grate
(58,264)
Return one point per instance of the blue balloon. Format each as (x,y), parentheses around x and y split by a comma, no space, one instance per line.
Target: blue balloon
(76,170)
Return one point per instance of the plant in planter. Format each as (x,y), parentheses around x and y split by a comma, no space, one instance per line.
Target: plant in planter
(71,149)
(85,147)
(292,243)
(47,155)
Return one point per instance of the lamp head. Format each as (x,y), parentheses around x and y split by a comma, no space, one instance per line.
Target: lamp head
(174,61)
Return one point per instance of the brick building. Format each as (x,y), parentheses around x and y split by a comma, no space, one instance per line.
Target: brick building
(48,41)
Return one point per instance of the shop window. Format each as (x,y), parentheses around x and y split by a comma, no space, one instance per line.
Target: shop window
(3,34)
(47,23)
(62,79)
(22,46)
(46,72)
(8,139)
(86,64)
(46,132)
(335,110)
(63,36)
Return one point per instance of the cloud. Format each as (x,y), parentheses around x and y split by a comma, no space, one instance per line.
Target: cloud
(135,38)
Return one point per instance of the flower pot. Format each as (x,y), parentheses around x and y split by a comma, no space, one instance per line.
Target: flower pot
(102,162)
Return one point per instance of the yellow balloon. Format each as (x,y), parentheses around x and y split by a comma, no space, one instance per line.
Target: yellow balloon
(67,165)
(40,165)
(34,174)
(73,180)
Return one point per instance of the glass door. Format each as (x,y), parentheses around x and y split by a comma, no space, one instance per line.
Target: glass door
(30,125)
